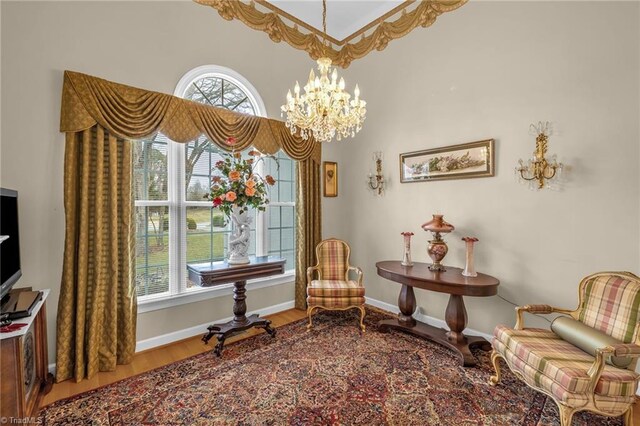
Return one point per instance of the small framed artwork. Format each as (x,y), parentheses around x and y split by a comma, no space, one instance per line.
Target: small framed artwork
(468,160)
(330,179)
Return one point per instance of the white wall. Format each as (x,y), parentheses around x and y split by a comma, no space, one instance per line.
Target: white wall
(485,70)
(488,70)
(145,44)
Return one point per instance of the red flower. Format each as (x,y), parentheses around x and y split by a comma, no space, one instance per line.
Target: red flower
(216,179)
(231,141)
(217,201)
(219,164)
(270,180)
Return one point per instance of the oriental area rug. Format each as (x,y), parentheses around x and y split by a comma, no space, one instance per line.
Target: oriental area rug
(331,375)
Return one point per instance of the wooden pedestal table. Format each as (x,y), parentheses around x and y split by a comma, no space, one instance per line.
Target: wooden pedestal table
(451,282)
(216,273)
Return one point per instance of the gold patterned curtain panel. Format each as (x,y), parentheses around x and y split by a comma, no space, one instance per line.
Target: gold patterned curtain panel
(97,308)
(308,225)
(96,323)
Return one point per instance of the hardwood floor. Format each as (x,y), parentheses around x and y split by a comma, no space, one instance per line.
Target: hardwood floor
(164,355)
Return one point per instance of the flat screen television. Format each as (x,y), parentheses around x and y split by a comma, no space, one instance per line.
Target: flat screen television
(10,271)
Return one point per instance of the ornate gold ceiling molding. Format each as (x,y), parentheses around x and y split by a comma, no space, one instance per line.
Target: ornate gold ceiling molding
(424,14)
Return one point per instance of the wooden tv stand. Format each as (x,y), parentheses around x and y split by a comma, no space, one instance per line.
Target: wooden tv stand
(24,367)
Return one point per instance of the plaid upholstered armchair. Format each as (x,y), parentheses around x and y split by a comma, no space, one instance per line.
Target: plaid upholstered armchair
(587,362)
(333,290)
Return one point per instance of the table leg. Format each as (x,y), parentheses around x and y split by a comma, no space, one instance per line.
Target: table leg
(456,318)
(407,305)
(239,302)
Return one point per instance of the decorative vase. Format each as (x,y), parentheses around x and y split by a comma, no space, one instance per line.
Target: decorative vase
(239,240)
(469,269)
(406,257)
(437,248)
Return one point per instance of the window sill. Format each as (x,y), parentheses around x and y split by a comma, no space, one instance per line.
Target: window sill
(149,304)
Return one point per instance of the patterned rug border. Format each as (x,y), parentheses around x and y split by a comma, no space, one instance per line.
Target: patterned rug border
(244,340)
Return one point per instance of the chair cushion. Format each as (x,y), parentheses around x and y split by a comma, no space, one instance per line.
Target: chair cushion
(610,304)
(540,354)
(332,259)
(608,404)
(335,302)
(334,288)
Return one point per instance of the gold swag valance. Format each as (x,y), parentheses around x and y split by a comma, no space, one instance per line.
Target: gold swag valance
(131,113)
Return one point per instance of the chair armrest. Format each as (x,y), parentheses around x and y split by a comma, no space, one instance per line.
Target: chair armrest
(358,272)
(626,349)
(310,270)
(536,309)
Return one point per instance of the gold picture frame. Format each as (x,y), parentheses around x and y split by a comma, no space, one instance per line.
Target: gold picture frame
(463,161)
(329,179)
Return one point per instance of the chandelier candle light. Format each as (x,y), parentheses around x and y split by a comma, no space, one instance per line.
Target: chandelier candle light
(324,110)
(538,168)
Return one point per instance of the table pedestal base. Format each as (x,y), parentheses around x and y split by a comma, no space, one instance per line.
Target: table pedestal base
(239,323)
(462,348)
(222,331)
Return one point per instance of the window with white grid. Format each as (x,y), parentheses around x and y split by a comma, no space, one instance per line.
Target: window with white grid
(175,223)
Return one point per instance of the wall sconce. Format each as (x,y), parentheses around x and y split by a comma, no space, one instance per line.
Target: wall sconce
(376,182)
(538,169)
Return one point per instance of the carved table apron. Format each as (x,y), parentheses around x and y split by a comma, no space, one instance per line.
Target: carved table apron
(451,282)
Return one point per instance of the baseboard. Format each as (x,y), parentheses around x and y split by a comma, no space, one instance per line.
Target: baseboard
(186,333)
(423,318)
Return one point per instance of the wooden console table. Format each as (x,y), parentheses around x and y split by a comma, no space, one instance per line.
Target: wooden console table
(214,273)
(451,282)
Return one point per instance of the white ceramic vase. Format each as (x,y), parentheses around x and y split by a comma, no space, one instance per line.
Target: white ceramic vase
(239,240)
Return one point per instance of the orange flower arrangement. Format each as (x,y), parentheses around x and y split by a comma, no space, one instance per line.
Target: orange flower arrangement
(237,184)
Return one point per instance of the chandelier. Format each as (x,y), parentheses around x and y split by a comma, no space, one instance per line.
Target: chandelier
(539,169)
(324,110)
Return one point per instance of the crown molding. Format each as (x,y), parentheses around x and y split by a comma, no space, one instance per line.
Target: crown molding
(375,35)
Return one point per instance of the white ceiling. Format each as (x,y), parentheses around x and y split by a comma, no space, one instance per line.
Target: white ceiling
(344,17)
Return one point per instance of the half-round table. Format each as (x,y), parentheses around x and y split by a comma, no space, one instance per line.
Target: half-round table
(450,281)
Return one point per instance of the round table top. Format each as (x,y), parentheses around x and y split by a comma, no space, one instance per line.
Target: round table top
(450,281)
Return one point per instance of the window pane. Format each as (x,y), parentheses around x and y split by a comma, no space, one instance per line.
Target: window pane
(201,156)
(207,234)
(221,93)
(150,168)
(152,250)
(281,233)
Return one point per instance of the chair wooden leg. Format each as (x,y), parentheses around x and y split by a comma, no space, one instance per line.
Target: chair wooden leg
(628,416)
(309,313)
(566,414)
(362,313)
(495,360)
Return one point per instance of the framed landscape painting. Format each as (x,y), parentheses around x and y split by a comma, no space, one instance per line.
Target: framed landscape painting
(468,160)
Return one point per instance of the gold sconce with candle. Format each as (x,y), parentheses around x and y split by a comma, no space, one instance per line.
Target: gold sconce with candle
(539,171)
(376,182)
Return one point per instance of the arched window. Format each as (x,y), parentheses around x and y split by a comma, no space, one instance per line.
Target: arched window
(191,231)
